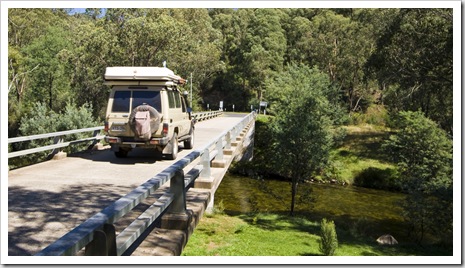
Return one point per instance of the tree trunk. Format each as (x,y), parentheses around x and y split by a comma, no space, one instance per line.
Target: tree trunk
(50,92)
(293,193)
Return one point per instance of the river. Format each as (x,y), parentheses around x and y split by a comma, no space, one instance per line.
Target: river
(365,211)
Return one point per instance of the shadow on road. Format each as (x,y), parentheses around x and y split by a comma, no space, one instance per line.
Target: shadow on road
(38,218)
(136,156)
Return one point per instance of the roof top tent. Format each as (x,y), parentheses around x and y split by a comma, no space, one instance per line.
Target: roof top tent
(141,76)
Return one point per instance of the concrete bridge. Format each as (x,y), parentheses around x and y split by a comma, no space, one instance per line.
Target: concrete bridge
(149,206)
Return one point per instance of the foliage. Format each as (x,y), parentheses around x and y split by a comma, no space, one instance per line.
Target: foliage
(254,45)
(50,53)
(328,238)
(413,63)
(43,120)
(397,57)
(423,153)
(374,115)
(302,123)
(377,178)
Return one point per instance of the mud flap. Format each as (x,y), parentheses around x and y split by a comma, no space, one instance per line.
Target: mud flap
(168,148)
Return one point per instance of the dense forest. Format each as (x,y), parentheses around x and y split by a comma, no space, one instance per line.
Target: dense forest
(398,58)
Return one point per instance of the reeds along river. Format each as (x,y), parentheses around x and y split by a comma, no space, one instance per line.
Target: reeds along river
(369,212)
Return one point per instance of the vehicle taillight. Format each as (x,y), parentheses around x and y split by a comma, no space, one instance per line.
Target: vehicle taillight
(165,130)
(106,127)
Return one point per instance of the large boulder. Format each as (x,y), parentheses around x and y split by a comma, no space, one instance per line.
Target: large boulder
(387,239)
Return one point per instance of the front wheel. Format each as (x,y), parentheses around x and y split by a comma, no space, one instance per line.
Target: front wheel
(174,148)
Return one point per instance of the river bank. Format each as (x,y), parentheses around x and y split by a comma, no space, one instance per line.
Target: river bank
(253,220)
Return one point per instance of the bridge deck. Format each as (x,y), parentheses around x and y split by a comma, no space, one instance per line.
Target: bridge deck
(47,200)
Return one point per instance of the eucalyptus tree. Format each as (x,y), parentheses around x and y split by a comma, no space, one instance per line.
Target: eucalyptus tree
(29,28)
(184,38)
(254,44)
(50,54)
(413,63)
(341,46)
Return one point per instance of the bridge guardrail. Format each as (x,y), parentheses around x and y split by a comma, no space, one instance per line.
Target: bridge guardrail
(58,140)
(200,116)
(60,143)
(97,234)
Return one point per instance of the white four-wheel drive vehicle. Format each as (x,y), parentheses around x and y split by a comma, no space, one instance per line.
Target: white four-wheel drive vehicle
(146,109)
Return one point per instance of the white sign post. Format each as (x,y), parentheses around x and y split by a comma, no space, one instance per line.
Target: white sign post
(264,104)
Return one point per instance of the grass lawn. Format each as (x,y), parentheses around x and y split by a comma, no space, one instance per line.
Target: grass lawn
(267,234)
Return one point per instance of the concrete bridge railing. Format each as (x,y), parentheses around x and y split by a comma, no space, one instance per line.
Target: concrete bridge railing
(98,235)
(59,137)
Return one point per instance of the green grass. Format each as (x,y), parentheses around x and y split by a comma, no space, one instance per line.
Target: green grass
(268,234)
(361,153)
(252,235)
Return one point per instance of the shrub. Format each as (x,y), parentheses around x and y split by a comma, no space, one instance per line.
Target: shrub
(43,120)
(328,240)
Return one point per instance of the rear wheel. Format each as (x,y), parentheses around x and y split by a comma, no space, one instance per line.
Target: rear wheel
(189,143)
(174,147)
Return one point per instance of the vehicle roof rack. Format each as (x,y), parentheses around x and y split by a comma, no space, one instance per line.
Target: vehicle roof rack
(141,76)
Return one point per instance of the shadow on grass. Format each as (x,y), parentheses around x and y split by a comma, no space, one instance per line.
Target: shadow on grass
(365,145)
(381,179)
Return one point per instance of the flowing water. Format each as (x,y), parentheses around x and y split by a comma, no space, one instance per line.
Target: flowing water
(367,211)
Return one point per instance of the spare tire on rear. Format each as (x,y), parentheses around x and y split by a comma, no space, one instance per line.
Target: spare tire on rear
(144,121)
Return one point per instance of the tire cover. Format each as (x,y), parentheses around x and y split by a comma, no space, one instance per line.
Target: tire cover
(155,117)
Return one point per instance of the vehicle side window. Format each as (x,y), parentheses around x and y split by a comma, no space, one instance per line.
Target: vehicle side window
(177,99)
(183,105)
(121,101)
(171,102)
(151,98)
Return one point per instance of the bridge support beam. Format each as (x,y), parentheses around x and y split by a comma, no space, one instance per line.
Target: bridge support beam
(211,205)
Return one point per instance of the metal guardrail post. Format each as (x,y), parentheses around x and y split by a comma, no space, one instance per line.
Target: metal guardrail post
(96,132)
(56,140)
